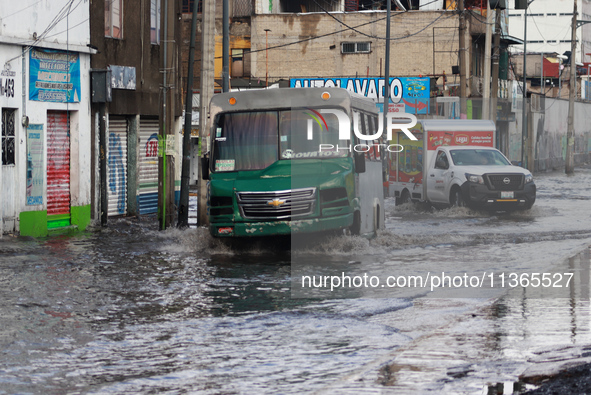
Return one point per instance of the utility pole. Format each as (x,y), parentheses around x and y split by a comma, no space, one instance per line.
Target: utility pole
(183,212)
(462,52)
(486,109)
(226,47)
(495,67)
(524,91)
(207,75)
(103,164)
(267,57)
(165,165)
(387,65)
(570,131)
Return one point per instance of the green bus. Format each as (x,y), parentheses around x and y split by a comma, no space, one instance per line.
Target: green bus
(286,161)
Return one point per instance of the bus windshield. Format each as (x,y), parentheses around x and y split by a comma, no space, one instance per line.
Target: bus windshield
(254,140)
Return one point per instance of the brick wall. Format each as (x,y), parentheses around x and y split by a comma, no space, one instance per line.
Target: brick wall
(411,53)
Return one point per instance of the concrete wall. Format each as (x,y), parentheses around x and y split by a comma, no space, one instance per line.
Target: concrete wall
(547,133)
(299,55)
(45,23)
(136,50)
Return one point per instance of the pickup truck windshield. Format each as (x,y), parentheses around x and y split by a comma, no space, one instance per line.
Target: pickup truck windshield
(478,157)
(254,140)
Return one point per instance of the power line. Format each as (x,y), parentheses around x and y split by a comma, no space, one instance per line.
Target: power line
(64,12)
(377,37)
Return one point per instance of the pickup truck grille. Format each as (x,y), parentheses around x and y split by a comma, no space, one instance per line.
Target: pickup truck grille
(505,182)
(277,205)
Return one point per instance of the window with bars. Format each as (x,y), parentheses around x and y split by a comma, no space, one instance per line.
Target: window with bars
(8,131)
(240,62)
(114,18)
(188,5)
(355,47)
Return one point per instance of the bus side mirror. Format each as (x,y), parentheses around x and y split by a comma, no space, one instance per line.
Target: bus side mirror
(205,168)
(359,162)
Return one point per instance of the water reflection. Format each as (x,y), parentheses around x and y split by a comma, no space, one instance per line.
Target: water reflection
(511,341)
(128,309)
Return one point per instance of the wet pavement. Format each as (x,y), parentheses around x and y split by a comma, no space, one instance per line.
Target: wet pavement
(129,309)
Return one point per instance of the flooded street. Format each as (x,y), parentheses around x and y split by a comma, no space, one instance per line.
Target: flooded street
(129,309)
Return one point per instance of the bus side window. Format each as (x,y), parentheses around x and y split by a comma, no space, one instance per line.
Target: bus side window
(372,129)
(362,127)
(368,130)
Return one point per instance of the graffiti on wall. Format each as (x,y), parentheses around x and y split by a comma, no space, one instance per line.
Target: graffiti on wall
(117,184)
(152,146)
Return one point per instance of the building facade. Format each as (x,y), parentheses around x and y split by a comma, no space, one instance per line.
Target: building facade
(46,126)
(549,27)
(318,42)
(140,62)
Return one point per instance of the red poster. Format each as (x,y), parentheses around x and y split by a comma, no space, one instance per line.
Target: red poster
(437,139)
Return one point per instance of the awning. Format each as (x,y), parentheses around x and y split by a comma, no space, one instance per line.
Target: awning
(510,40)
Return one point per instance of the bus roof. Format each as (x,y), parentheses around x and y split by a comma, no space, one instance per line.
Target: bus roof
(249,100)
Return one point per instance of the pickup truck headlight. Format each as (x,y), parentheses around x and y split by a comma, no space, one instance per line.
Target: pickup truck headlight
(476,179)
(529,178)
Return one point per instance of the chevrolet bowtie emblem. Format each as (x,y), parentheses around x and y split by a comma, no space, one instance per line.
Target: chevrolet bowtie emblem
(275,202)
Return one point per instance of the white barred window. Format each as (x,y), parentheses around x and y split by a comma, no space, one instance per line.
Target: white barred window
(355,47)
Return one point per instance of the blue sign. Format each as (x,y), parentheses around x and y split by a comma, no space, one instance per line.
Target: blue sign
(413,92)
(35,174)
(54,76)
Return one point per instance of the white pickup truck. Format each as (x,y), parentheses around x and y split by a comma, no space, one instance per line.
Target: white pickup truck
(453,163)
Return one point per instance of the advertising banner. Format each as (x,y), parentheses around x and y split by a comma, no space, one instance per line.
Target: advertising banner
(409,160)
(54,76)
(413,93)
(35,174)
(482,139)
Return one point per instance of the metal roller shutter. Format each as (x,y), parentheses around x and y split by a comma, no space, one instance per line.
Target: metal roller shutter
(117,166)
(58,169)
(148,167)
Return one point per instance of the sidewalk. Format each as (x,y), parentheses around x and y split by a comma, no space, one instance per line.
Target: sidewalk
(575,380)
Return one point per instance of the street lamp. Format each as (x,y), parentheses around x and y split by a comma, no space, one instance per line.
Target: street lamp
(267,57)
(524,90)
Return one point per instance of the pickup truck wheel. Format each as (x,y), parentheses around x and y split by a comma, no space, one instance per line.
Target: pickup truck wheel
(456,199)
(404,198)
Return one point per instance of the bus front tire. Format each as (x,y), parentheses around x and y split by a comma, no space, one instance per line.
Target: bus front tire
(355,228)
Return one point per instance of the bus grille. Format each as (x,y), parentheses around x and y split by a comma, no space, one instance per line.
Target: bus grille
(505,182)
(277,204)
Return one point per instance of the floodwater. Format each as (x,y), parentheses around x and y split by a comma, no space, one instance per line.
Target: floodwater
(129,309)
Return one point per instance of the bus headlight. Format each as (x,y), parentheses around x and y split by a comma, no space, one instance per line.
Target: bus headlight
(476,179)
